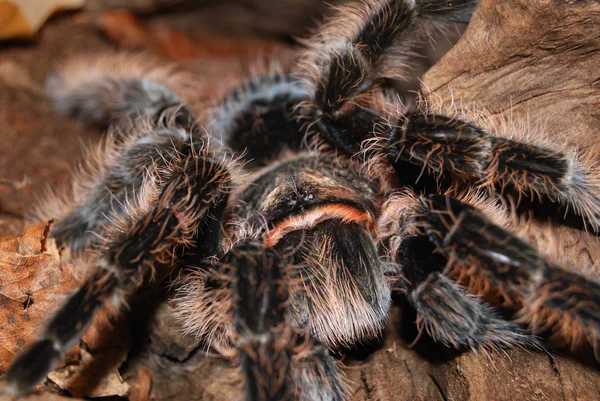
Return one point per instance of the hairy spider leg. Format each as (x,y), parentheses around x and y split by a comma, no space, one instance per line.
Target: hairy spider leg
(120,88)
(124,177)
(278,361)
(316,373)
(150,127)
(260,321)
(490,259)
(445,311)
(62,333)
(193,188)
(442,146)
(257,118)
(354,54)
(343,70)
(120,101)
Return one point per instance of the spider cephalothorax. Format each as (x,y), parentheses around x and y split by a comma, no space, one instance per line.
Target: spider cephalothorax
(340,202)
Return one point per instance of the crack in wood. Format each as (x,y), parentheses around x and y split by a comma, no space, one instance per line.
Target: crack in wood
(438,386)
(558,375)
(365,382)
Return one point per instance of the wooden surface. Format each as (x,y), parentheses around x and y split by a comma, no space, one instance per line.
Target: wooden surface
(535,61)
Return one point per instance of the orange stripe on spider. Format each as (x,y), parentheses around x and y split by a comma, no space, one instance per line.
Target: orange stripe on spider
(311,218)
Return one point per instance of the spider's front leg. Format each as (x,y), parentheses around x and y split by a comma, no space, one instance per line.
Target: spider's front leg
(278,361)
(194,187)
(438,235)
(150,126)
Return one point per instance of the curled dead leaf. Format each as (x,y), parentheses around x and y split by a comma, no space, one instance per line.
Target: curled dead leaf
(91,370)
(93,376)
(33,283)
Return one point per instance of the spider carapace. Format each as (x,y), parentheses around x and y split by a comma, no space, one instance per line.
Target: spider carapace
(298,204)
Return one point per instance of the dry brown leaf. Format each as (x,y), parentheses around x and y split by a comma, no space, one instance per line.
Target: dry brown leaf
(32,281)
(23,18)
(93,376)
(92,369)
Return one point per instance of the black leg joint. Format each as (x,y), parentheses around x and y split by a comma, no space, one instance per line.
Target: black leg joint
(418,259)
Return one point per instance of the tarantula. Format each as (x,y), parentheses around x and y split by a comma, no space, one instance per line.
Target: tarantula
(341,202)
